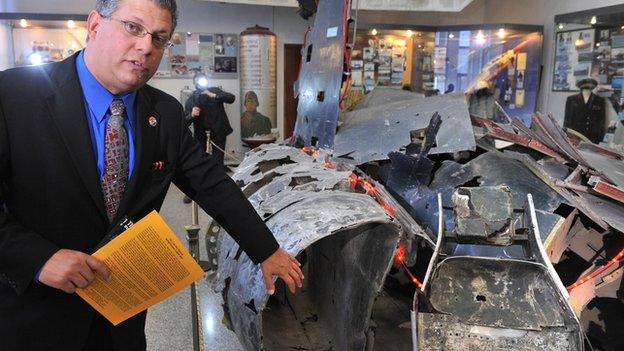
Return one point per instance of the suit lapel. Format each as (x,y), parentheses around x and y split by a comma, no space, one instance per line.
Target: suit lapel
(68,113)
(146,140)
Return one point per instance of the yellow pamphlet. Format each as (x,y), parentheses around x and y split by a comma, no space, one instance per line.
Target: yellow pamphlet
(148,264)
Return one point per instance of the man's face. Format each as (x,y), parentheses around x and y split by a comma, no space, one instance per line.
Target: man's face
(120,61)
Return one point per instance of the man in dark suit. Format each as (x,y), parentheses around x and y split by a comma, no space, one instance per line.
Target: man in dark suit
(204,108)
(83,144)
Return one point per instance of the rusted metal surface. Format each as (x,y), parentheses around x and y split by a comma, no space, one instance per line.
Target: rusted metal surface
(498,132)
(609,190)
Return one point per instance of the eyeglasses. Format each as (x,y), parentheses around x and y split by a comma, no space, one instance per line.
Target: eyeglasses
(137,30)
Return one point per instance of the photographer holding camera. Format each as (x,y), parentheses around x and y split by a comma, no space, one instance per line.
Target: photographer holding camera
(204,108)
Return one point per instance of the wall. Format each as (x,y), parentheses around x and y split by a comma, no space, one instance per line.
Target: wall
(202,16)
(6,54)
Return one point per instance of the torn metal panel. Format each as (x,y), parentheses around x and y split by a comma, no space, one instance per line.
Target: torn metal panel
(497,131)
(607,210)
(320,79)
(586,242)
(296,227)
(372,133)
(610,166)
(385,95)
(310,176)
(494,169)
(251,169)
(411,229)
(555,133)
(484,215)
(571,197)
(608,190)
(549,224)
(558,240)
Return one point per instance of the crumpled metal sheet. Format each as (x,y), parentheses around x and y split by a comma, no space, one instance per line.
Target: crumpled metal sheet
(249,170)
(321,179)
(296,227)
(372,133)
(611,166)
(384,95)
(489,169)
(318,87)
(306,202)
(493,169)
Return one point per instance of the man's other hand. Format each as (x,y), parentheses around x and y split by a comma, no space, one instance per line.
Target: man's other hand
(195,112)
(210,94)
(284,266)
(68,269)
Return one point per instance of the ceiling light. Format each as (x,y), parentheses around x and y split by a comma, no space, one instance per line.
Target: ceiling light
(502,33)
(560,25)
(593,20)
(374,31)
(23,23)
(408,33)
(451,36)
(71,24)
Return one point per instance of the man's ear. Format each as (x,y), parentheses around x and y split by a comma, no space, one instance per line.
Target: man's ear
(93,24)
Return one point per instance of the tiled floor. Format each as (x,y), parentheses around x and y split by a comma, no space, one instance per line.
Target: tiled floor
(169,325)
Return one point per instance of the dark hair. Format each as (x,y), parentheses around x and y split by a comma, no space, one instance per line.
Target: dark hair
(252,95)
(107,7)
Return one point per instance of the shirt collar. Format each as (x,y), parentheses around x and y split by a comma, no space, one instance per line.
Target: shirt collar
(97,97)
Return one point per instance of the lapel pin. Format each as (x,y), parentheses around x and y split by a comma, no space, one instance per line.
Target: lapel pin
(152,121)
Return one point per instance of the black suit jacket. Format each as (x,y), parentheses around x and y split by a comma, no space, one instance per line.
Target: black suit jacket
(212,116)
(52,197)
(588,118)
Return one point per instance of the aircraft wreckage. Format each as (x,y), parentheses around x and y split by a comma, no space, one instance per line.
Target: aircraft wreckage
(420,227)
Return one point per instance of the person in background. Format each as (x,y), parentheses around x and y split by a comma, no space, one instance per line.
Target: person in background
(205,110)
(85,143)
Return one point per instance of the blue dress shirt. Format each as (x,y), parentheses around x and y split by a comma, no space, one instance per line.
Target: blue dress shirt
(97,101)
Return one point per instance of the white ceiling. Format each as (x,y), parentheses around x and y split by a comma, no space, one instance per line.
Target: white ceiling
(385,5)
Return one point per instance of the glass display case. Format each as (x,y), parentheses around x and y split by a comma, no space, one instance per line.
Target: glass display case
(41,41)
(492,65)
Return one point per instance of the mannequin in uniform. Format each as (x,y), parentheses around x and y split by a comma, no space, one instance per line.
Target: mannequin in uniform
(586,112)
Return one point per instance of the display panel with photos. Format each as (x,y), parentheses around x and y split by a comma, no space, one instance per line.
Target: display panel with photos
(215,54)
(574,55)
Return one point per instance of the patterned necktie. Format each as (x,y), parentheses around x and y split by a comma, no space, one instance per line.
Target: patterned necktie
(115,158)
